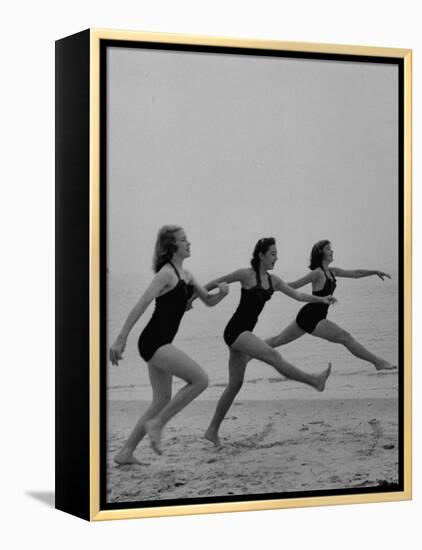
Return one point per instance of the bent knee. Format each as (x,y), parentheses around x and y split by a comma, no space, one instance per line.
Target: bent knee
(344,338)
(202,381)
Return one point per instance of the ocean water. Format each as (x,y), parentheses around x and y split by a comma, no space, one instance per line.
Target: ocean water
(367,308)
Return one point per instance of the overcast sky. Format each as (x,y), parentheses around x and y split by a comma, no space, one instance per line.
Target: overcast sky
(234,148)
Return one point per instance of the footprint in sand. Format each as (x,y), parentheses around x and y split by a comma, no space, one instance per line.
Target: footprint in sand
(252,441)
(272,445)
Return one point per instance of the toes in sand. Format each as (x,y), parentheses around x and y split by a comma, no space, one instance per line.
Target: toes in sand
(154,434)
(212,436)
(126,457)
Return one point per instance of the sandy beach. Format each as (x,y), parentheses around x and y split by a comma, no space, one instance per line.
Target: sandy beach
(268,446)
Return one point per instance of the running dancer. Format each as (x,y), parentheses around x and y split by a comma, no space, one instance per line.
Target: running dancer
(257,288)
(171,287)
(312,319)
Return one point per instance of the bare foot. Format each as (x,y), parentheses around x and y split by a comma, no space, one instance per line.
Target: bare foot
(385,365)
(321,379)
(212,436)
(126,457)
(154,433)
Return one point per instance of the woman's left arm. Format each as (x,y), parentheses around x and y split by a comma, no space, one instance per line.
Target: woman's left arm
(205,296)
(310,277)
(281,286)
(358,273)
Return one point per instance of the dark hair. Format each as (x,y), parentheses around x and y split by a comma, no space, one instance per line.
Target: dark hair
(317,254)
(261,247)
(165,246)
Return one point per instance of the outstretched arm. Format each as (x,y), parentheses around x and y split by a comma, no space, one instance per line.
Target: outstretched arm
(301,296)
(159,282)
(358,273)
(232,277)
(310,277)
(208,298)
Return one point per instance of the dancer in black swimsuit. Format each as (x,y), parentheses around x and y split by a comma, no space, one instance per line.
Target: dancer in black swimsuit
(171,287)
(312,318)
(163,325)
(251,304)
(311,314)
(238,333)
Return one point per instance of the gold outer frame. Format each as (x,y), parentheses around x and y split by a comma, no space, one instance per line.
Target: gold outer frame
(96,514)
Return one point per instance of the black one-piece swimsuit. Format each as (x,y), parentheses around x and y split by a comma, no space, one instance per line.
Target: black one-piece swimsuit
(164,323)
(252,301)
(311,314)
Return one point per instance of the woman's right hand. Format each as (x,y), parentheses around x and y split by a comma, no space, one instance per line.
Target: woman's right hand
(189,305)
(330,300)
(381,275)
(117,349)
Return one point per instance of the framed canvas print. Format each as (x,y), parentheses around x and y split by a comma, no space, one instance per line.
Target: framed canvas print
(233,276)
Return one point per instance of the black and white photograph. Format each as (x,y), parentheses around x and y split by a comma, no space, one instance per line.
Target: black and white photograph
(211,262)
(252,271)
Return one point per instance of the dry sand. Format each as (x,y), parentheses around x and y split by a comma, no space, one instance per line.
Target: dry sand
(269,447)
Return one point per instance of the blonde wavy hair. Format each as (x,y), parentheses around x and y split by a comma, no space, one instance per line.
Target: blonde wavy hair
(165,246)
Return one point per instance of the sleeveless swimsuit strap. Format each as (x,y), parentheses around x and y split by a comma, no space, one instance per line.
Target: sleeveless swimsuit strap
(258,278)
(331,273)
(177,273)
(270,282)
(259,284)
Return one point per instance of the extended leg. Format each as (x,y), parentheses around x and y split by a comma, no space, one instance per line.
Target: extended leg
(253,346)
(333,333)
(289,334)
